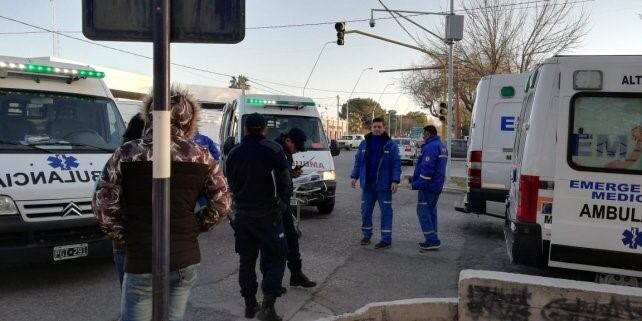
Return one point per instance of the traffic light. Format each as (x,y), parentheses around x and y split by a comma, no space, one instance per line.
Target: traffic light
(340,27)
(443,111)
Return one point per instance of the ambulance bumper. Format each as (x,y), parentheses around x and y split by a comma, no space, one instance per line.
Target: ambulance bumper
(524,243)
(476,198)
(22,242)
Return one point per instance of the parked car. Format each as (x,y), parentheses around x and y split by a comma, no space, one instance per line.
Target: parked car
(458,148)
(350,141)
(407,149)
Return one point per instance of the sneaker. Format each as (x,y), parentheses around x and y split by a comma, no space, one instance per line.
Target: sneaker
(430,246)
(382,245)
(365,241)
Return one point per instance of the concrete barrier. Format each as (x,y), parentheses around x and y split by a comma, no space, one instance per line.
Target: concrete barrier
(404,310)
(514,297)
(498,296)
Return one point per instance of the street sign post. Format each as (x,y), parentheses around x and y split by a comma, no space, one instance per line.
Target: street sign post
(162,22)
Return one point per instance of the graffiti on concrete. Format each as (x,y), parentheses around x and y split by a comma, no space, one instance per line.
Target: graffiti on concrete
(494,303)
(581,310)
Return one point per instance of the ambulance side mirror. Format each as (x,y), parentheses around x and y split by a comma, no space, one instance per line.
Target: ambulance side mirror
(334,148)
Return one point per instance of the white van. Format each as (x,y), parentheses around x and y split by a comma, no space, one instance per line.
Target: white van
(283,113)
(497,105)
(128,108)
(58,126)
(575,200)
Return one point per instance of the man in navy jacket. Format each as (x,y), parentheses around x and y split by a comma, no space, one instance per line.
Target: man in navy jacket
(429,179)
(377,167)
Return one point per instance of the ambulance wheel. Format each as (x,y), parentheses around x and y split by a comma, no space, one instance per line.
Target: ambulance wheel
(327,207)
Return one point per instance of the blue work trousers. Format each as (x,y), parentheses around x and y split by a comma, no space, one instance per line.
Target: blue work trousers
(427,213)
(369,196)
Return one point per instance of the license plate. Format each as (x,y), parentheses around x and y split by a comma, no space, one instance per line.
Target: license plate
(67,252)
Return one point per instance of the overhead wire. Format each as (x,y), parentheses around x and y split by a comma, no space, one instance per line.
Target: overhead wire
(257,80)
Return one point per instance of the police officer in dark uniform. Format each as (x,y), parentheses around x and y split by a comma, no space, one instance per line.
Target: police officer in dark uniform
(259,178)
(293,142)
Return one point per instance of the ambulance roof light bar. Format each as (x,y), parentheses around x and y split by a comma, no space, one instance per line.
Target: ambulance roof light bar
(279,103)
(49,70)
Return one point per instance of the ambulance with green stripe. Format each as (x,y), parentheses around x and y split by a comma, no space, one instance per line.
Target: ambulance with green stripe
(283,113)
(58,126)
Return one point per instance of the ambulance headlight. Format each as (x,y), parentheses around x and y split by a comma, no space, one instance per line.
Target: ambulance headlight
(7,206)
(328,176)
(587,79)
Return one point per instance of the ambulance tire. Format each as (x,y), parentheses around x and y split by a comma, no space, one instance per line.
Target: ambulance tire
(327,207)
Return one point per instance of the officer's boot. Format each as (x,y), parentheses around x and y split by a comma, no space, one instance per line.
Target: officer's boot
(267,312)
(251,307)
(297,278)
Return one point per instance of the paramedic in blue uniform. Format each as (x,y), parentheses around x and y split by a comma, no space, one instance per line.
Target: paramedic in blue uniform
(258,174)
(428,179)
(377,167)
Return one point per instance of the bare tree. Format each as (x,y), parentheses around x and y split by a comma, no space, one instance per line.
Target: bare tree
(240,82)
(500,36)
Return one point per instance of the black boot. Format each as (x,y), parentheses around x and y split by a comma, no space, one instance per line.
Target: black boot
(251,307)
(267,312)
(297,278)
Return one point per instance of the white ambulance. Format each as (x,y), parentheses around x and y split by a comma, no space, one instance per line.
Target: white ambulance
(58,126)
(283,113)
(497,105)
(576,198)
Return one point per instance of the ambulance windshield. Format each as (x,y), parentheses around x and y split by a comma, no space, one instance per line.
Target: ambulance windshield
(57,122)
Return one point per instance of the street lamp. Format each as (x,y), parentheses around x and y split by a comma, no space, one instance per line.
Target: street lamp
(350,97)
(379,99)
(315,65)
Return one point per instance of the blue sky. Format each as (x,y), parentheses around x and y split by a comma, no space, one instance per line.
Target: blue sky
(287,55)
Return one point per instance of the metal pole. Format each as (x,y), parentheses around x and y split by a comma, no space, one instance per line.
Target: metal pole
(161,161)
(449,120)
(315,65)
(54,36)
(352,92)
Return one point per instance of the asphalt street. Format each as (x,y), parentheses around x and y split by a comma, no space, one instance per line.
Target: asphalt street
(349,275)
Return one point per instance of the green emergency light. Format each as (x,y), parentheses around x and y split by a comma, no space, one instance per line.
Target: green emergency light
(50,70)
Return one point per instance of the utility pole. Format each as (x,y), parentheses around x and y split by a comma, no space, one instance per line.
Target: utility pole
(449,120)
(338,108)
(55,42)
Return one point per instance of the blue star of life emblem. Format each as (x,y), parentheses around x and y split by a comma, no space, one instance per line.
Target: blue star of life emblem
(63,162)
(632,238)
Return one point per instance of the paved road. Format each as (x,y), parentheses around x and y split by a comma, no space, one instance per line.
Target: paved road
(350,275)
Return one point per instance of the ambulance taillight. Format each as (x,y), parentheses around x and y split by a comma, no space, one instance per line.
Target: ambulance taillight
(474,169)
(527,203)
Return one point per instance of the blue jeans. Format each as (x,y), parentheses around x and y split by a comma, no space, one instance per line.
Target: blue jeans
(369,196)
(119,261)
(427,213)
(136,299)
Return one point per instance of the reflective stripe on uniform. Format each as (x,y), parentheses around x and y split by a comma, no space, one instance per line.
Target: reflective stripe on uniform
(386,231)
(387,202)
(422,203)
(424,177)
(366,228)
(431,232)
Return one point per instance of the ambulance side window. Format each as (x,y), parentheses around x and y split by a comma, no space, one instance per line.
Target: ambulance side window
(605,132)
(520,136)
